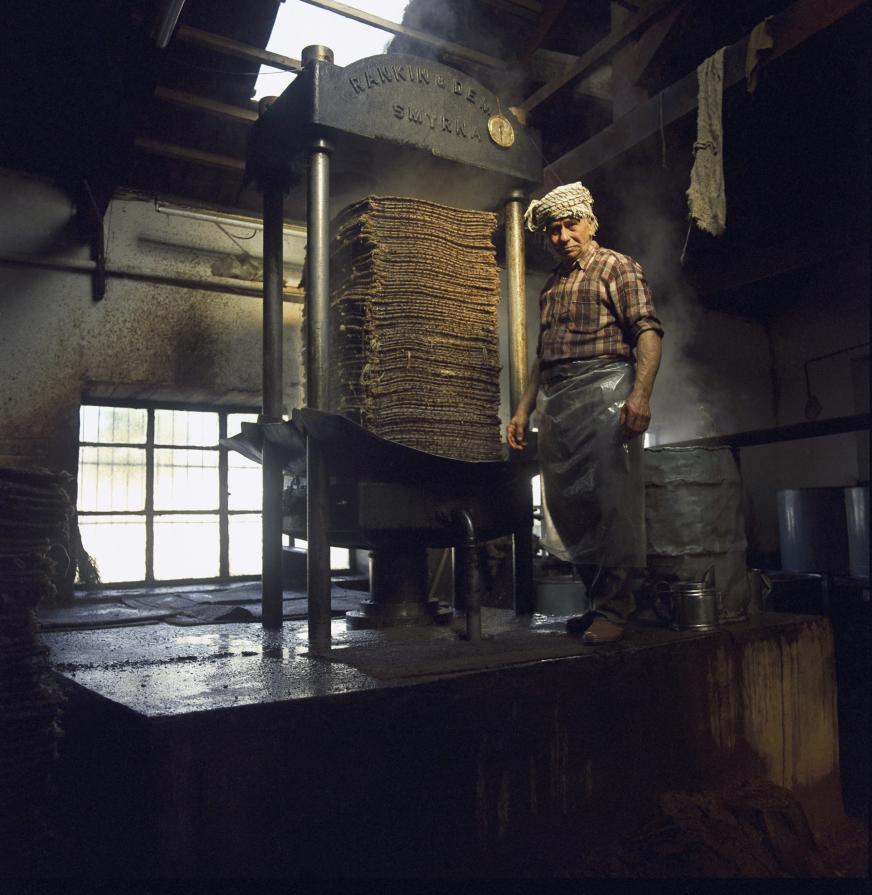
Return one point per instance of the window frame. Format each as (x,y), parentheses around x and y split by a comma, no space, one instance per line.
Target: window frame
(149,513)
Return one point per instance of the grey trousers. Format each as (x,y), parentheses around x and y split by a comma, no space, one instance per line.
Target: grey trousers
(610,591)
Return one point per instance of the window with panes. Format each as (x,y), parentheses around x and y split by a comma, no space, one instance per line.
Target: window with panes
(160,500)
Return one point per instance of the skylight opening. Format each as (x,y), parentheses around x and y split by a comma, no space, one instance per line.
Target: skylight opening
(300,25)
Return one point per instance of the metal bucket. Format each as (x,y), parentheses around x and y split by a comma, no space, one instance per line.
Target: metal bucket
(688,605)
(694,520)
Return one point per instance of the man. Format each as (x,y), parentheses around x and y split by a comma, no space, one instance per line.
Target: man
(596,361)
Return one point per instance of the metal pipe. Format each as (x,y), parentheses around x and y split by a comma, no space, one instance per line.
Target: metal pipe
(76,265)
(463,521)
(273,270)
(831,426)
(517,298)
(245,223)
(318,548)
(318,276)
(317,370)
(273,479)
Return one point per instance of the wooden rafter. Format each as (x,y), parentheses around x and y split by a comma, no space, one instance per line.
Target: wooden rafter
(648,44)
(529,11)
(234,48)
(204,104)
(545,65)
(791,27)
(533,6)
(598,53)
(546,21)
(187,154)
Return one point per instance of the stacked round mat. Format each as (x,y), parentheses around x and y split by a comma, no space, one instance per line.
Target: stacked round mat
(414,349)
(33,513)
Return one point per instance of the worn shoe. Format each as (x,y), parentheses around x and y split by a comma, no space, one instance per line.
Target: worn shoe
(578,624)
(603,631)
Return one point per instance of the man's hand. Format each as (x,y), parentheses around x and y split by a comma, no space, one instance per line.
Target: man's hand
(636,412)
(635,415)
(516,431)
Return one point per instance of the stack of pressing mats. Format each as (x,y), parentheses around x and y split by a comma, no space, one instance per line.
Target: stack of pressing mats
(33,514)
(414,352)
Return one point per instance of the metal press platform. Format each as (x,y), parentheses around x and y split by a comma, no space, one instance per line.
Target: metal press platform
(232,751)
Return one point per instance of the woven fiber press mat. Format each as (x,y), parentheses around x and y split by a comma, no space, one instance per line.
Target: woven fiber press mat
(33,513)
(414,298)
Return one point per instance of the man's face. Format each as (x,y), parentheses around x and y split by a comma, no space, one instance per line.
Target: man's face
(569,238)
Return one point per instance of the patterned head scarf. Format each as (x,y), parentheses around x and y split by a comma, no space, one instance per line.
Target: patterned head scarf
(572,200)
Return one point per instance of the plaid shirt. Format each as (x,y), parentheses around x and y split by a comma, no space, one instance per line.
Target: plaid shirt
(598,307)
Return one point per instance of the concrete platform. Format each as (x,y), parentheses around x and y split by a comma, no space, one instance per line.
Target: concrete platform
(229,751)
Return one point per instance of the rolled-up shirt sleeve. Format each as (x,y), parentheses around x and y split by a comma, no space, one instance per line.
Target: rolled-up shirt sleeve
(634,305)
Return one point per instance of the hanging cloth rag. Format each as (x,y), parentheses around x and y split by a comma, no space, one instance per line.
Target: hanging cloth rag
(760,44)
(706,197)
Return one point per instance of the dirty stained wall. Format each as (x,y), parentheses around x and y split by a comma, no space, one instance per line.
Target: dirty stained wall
(144,339)
(830,313)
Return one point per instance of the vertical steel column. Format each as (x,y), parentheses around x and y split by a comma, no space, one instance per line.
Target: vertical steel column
(522,542)
(317,321)
(273,479)
(517,296)
(223,501)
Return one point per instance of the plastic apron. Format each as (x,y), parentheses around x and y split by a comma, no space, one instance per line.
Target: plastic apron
(592,489)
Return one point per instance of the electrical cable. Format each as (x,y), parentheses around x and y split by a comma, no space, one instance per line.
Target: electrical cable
(232,238)
(662,131)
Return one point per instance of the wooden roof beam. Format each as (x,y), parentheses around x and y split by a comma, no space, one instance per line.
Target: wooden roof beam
(229,47)
(549,16)
(598,53)
(529,10)
(187,154)
(631,61)
(533,6)
(545,65)
(204,104)
(791,27)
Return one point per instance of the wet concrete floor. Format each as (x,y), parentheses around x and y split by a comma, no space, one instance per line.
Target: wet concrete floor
(160,670)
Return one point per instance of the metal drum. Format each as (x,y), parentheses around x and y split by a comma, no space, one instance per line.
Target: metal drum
(857,516)
(694,521)
(812,530)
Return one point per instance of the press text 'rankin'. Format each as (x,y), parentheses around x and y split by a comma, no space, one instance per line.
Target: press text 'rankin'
(397,74)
